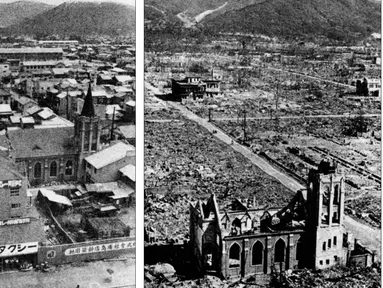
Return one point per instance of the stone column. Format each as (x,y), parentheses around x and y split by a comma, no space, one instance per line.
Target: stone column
(320,204)
(269,254)
(331,200)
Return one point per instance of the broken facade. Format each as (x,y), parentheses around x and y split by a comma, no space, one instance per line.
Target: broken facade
(247,239)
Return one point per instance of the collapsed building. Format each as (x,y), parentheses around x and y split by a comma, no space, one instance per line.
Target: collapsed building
(246,239)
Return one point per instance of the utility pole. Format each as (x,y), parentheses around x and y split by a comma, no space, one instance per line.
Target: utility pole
(276,100)
(111,131)
(210,114)
(67,103)
(244,126)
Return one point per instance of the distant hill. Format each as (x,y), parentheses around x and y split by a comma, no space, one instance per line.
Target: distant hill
(335,19)
(80,19)
(12,13)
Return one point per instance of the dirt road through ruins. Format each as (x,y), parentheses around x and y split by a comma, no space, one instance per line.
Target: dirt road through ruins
(366,234)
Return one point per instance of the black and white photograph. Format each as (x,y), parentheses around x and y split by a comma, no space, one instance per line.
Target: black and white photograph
(67,144)
(262,142)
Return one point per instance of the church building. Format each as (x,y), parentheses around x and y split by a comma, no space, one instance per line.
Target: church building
(250,240)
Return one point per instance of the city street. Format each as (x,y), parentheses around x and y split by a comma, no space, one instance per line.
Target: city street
(86,275)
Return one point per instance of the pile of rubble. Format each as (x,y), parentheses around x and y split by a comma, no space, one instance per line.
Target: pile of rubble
(163,275)
(337,277)
(185,158)
(166,218)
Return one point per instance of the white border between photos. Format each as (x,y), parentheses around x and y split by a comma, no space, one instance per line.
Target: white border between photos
(139,143)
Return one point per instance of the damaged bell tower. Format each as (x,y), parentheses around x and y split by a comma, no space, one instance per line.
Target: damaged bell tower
(328,244)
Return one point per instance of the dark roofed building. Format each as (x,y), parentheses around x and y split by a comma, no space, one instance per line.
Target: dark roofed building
(45,154)
(29,54)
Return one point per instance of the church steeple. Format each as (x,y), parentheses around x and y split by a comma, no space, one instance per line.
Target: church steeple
(88,108)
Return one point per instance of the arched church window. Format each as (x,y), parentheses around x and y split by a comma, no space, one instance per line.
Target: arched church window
(37,170)
(257,255)
(53,169)
(299,252)
(279,253)
(336,194)
(234,255)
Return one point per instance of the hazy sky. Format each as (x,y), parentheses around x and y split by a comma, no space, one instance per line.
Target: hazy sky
(57,2)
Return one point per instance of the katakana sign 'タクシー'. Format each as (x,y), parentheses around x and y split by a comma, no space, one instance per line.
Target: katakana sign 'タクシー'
(18,249)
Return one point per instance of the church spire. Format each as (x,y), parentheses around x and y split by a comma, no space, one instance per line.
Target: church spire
(88,108)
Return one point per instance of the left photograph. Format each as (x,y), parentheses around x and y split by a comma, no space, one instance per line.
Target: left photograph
(67,143)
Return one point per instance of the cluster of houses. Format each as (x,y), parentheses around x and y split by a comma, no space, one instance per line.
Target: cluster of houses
(64,120)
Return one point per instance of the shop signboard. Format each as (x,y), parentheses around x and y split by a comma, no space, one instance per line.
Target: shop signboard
(15,221)
(18,249)
(100,248)
(11,183)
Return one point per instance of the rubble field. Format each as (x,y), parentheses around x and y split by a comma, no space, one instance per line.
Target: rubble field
(336,277)
(183,163)
(296,145)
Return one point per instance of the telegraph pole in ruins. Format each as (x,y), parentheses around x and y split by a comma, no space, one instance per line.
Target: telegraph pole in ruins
(244,126)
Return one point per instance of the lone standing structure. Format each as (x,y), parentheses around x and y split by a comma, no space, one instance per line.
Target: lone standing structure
(248,239)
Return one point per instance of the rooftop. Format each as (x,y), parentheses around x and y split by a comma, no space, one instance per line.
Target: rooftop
(129,171)
(110,155)
(28,143)
(52,196)
(33,50)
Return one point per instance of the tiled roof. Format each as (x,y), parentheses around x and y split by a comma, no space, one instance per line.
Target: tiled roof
(8,170)
(29,143)
(110,155)
(22,233)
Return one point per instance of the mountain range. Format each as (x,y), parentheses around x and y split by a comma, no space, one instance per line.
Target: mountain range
(334,19)
(75,19)
(12,13)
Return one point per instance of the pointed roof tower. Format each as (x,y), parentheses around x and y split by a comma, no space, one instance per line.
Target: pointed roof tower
(88,108)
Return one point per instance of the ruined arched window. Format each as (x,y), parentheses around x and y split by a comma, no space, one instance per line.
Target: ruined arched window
(37,170)
(236,227)
(299,252)
(279,253)
(336,194)
(69,168)
(257,255)
(234,255)
(53,169)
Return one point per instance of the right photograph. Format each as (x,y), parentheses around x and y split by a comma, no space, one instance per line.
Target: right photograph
(262,143)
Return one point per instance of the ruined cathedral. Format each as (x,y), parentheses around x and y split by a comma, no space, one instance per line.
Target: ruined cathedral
(249,240)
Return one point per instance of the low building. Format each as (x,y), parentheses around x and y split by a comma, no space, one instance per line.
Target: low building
(32,66)
(103,165)
(5,96)
(32,54)
(128,175)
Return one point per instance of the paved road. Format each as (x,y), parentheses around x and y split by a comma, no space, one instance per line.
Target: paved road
(255,159)
(367,235)
(299,117)
(88,275)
